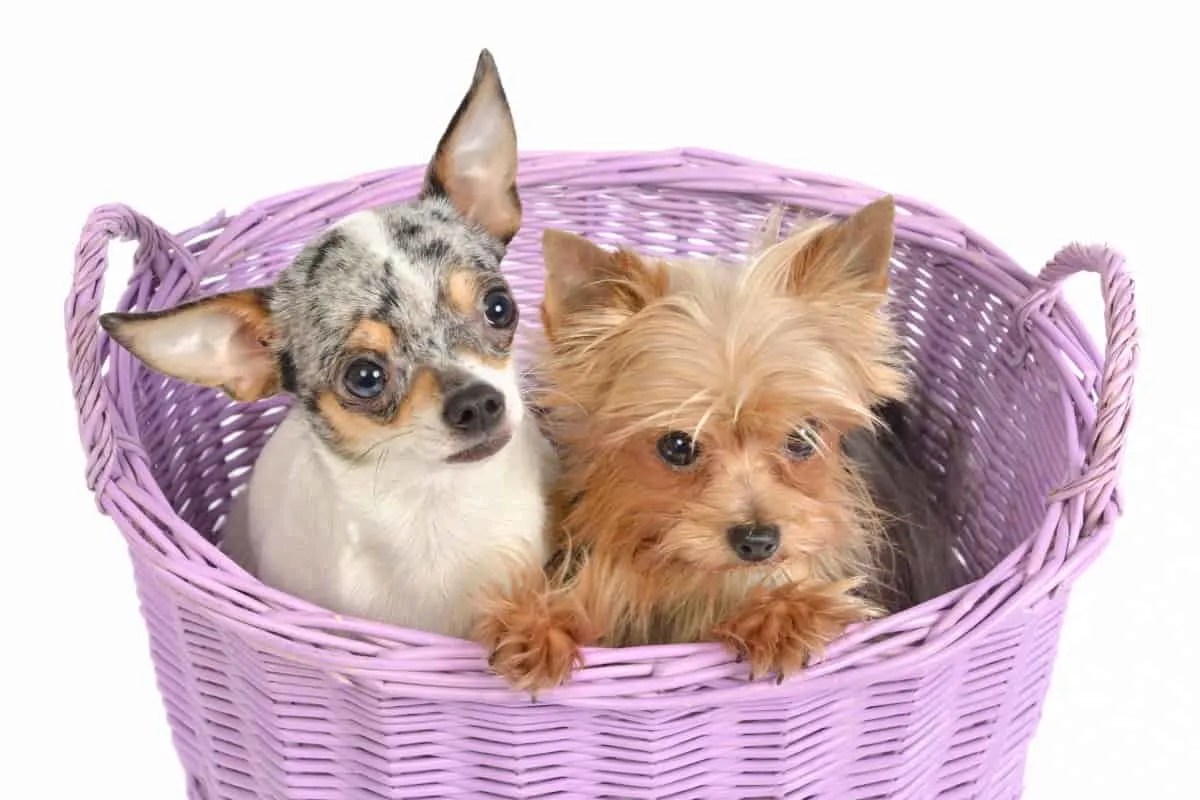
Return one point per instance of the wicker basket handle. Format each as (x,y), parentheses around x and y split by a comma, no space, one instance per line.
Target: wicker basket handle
(1102,459)
(87,345)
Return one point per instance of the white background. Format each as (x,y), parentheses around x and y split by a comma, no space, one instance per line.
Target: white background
(1036,127)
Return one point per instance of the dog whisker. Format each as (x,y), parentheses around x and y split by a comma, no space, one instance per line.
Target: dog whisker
(378,470)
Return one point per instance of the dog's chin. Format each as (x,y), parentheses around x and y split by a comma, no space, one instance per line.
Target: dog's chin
(482,450)
(737,566)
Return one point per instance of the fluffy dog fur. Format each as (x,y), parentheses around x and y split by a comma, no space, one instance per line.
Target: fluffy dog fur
(776,373)
(407,472)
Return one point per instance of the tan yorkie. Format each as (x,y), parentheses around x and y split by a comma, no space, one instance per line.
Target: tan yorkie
(705,414)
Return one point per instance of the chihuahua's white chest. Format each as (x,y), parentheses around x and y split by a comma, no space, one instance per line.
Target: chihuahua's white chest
(394,540)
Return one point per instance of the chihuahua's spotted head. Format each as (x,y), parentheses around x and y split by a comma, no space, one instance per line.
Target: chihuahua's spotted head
(703,406)
(395,326)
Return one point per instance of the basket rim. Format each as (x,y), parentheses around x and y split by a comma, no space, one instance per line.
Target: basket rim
(389,660)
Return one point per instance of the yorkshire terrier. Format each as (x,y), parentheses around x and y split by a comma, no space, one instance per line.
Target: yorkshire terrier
(407,472)
(708,417)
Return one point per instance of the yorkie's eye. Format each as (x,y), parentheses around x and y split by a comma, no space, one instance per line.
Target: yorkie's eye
(678,449)
(364,378)
(499,309)
(803,442)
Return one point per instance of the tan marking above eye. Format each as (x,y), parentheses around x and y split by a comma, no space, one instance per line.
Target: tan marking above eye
(370,334)
(357,429)
(462,289)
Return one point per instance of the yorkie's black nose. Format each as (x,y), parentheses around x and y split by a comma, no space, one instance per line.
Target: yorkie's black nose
(474,409)
(753,542)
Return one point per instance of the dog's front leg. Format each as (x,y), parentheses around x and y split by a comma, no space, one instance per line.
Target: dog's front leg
(778,630)
(534,631)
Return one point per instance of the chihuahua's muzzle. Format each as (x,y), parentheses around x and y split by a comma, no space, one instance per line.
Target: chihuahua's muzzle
(476,416)
(474,410)
(476,413)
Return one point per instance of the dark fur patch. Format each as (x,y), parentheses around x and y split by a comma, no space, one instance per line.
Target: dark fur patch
(918,564)
(333,242)
(404,230)
(435,250)
(485,265)
(442,215)
(287,371)
(389,301)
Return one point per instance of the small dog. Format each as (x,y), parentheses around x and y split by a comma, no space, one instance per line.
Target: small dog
(408,472)
(704,414)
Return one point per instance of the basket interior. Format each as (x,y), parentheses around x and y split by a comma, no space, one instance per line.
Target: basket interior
(991,424)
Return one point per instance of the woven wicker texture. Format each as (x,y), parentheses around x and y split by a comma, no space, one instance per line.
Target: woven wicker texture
(268,697)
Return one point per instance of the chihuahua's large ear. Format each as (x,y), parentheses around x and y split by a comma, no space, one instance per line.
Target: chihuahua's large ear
(475,165)
(221,341)
(854,253)
(582,275)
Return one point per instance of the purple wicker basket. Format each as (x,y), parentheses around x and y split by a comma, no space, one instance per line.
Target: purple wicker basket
(271,697)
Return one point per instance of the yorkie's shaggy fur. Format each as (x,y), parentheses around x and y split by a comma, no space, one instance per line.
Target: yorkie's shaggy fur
(705,414)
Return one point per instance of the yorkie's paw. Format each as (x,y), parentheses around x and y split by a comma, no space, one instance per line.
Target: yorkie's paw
(533,643)
(779,631)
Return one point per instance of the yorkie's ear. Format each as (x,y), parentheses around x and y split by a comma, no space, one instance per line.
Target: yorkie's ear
(581,275)
(853,253)
(220,341)
(475,165)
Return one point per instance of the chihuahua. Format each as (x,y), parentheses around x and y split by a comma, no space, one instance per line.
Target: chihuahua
(707,416)
(407,472)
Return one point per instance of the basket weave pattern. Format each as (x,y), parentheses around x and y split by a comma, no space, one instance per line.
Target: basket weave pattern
(1020,416)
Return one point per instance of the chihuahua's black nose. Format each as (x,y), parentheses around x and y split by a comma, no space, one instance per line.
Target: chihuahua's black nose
(753,542)
(474,409)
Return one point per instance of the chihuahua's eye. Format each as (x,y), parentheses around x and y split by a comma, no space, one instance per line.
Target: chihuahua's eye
(499,309)
(802,442)
(364,379)
(678,449)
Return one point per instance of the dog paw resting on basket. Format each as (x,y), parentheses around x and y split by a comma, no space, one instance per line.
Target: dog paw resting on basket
(408,471)
(719,428)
